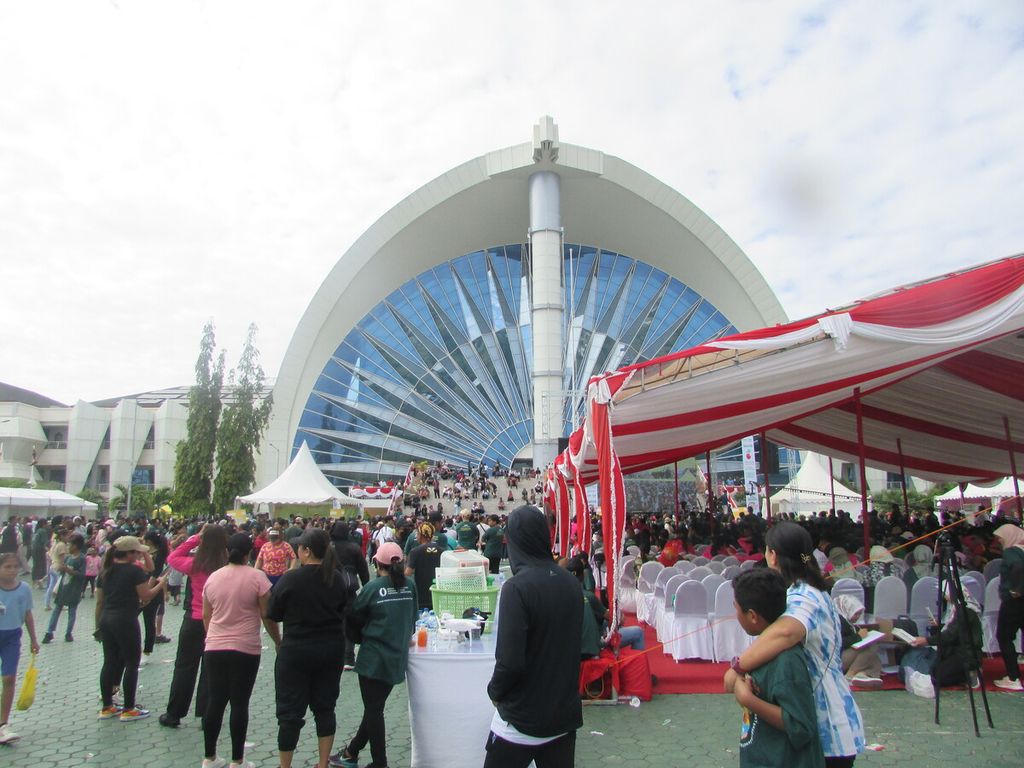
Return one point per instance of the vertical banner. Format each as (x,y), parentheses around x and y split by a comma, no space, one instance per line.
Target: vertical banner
(750,473)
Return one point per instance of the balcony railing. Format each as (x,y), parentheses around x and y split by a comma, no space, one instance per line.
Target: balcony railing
(56,445)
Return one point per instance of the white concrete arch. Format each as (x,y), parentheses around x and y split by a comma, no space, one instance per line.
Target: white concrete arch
(482,203)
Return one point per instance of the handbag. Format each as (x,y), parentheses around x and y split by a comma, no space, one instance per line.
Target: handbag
(28,686)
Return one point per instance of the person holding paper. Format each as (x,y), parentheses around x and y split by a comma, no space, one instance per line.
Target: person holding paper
(861,665)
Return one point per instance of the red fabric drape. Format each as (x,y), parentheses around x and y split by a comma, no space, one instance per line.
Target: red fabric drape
(562,509)
(582,512)
(611,492)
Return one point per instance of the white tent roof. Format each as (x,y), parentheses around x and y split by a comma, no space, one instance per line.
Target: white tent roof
(301,483)
(31,500)
(811,491)
(1002,489)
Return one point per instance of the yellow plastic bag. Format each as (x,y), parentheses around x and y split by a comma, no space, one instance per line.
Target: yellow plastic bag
(28,686)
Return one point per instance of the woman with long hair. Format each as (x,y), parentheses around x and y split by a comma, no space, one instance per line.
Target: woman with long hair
(196,557)
(1011,610)
(810,620)
(153,613)
(310,601)
(382,621)
(124,586)
(234,601)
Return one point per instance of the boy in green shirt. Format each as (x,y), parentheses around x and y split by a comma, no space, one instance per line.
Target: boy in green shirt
(780,727)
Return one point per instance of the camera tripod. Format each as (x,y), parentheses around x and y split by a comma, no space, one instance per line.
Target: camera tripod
(949,577)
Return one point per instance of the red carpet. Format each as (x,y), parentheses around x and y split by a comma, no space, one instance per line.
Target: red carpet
(694,676)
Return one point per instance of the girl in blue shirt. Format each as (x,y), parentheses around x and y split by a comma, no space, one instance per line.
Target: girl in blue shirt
(15,610)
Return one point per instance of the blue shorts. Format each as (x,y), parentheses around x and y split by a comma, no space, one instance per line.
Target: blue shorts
(10,651)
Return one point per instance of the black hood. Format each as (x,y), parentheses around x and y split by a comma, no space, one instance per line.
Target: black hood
(339,531)
(528,538)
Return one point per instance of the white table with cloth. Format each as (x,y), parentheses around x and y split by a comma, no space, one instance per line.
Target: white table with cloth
(449,711)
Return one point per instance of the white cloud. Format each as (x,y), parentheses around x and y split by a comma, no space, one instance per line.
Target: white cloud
(164,162)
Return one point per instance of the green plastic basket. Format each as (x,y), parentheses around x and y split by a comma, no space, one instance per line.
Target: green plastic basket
(457,602)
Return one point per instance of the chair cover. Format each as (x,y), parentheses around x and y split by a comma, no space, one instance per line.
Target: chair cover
(657,605)
(698,573)
(923,597)
(990,616)
(992,568)
(700,561)
(851,587)
(727,634)
(746,565)
(890,597)
(731,572)
(684,566)
(731,560)
(663,618)
(711,584)
(715,566)
(690,636)
(648,573)
(974,584)
(718,558)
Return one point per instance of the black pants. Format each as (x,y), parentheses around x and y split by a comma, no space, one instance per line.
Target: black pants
(560,753)
(307,675)
(149,614)
(230,677)
(187,666)
(371,729)
(494,563)
(122,649)
(1008,624)
(840,762)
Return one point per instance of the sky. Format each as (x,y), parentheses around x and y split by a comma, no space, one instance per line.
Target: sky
(164,163)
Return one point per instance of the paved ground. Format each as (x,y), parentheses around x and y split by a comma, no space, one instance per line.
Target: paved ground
(61,729)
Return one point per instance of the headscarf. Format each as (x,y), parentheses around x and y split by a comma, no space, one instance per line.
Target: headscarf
(950,611)
(923,557)
(840,560)
(849,607)
(880,554)
(1010,535)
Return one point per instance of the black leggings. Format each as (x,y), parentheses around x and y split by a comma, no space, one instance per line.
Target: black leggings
(559,753)
(1008,624)
(122,649)
(307,675)
(187,666)
(230,676)
(840,762)
(149,613)
(371,729)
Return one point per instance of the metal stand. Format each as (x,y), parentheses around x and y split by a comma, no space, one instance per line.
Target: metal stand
(949,572)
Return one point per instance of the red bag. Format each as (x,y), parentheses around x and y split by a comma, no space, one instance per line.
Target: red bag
(634,673)
(598,675)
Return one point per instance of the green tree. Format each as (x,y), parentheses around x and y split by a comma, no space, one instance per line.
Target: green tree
(91,494)
(193,468)
(241,428)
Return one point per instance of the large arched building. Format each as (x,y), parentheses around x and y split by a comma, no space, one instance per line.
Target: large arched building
(464,324)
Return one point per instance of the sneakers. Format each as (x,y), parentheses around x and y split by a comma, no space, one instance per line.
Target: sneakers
(7,736)
(217,762)
(127,715)
(69,638)
(109,712)
(243,764)
(47,638)
(143,660)
(161,639)
(168,722)
(349,667)
(862,680)
(340,760)
(1009,685)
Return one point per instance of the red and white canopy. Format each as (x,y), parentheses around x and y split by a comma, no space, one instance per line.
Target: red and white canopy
(936,368)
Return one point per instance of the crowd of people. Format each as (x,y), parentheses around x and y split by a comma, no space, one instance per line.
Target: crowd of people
(308,583)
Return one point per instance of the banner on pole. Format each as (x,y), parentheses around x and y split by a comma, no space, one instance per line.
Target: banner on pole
(750,473)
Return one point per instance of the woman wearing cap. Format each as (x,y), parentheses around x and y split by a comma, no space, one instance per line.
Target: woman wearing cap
(234,601)
(197,557)
(382,621)
(810,620)
(276,556)
(123,587)
(311,602)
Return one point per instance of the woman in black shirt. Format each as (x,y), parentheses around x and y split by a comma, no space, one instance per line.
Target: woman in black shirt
(123,587)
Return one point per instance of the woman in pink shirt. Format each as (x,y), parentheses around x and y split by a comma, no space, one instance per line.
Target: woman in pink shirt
(234,602)
(196,557)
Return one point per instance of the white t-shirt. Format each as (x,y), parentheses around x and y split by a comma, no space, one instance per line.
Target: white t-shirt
(511,734)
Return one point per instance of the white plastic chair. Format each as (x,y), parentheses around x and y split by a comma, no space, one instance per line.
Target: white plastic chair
(698,573)
(924,597)
(727,635)
(711,584)
(852,587)
(715,566)
(663,610)
(690,636)
(992,568)
(731,572)
(890,598)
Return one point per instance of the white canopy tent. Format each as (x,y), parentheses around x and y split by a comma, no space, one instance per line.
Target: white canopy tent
(996,492)
(810,491)
(30,501)
(301,483)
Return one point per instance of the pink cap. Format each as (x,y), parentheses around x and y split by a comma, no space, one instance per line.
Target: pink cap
(388,553)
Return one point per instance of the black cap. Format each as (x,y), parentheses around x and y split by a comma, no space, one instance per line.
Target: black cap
(240,542)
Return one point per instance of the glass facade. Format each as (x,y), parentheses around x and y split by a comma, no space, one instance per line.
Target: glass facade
(440,370)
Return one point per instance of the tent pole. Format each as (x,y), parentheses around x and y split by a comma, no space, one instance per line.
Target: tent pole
(1013,468)
(862,457)
(832,483)
(677,493)
(710,484)
(767,482)
(903,479)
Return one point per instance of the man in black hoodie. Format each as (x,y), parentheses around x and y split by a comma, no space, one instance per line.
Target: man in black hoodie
(348,558)
(536,670)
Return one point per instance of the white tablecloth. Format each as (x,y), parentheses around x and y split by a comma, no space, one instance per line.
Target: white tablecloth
(449,711)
